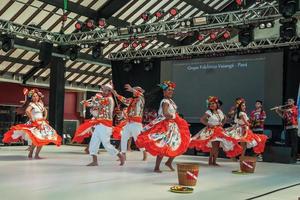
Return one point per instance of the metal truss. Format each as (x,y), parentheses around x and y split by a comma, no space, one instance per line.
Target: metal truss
(214,21)
(204,49)
(12,28)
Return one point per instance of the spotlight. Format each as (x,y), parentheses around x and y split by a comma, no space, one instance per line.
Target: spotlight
(269,25)
(143,44)
(73,52)
(226,35)
(288,7)
(7,42)
(199,21)
(102,23)
(173,11)
(127,67)
(246,35)
(145,16)
(262,26)
(123,31)
(159,14)
(288,29)
(97,50)
(213,35)
(134,45)
(125,45)
(90,24)
(239,2)
(136,61)
(78,26)
(200,37)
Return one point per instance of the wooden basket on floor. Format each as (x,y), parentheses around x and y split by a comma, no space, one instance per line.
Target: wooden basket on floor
(187,173)
(248,164)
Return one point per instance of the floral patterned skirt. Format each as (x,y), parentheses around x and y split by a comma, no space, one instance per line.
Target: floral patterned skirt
(39,132)
(165,137)
(216,134)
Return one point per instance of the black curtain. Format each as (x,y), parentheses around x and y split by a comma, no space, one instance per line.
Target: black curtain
(291,78)
(145,74)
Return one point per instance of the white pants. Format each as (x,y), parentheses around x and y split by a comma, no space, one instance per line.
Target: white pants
(102,134)
(131,129)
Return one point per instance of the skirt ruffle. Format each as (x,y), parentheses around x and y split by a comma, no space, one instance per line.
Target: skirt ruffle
(39,132)
(166,138)
(245,135)
(85,129)
(208,135)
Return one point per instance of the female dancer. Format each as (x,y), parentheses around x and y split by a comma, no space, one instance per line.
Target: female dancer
(241,131)
(37,128)
(213,135)
(167,135)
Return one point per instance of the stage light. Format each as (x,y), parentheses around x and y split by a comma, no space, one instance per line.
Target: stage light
(125,45)
(97,50)
(269,24)
(134,44)
(213,35)
(200,37)
(226,35)
(288,29)
(246,35)
(78,26)
(143,44)
(102,23)
(239,2)
(145,16)
(173,11)
(159,14)
(137,61)
(7,42)
(288,7)
(90,24)
(262,26)
(73,52)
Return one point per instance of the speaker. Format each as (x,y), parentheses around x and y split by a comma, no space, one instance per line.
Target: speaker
(279,154)
(45,54)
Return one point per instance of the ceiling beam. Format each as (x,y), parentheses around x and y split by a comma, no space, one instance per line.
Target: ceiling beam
(110,8)
(201,6)
(92,14)
(83,57)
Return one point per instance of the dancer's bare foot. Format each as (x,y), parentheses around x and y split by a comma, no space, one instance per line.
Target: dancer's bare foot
(37,157)
(30,155)
(145,155)
(92,164)
(157,171)
(169,165)
(86,150)
(216,164)
(121,158)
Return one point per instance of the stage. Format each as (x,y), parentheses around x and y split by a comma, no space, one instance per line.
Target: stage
(63,175)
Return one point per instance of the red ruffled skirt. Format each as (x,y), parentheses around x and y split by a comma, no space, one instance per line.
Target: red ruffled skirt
(39,132)
(117,130)
(244,134)
(166,137)
(85,129)
(206,136)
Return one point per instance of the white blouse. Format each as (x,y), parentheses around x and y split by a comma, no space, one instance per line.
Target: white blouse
(171,109)
(215,118)
(240,121)
(37,110)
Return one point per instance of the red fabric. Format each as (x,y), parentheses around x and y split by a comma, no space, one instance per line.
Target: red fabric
(86,125)
(143,140)
(118,129)
(218,132)
(25,128)
(290,116)
(135,119)
(257,119)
